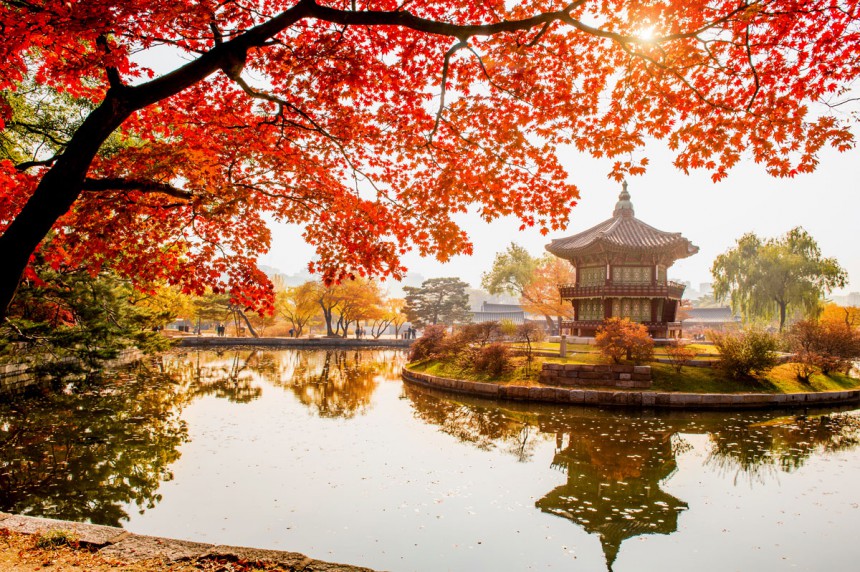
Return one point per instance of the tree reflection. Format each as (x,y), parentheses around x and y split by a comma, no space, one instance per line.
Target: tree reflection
(485,427)
(761,449)
(230,375)
(335,383)
(85,455)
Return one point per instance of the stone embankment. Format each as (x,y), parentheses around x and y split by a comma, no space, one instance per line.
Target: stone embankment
(116,543)
(633,398)
(620,376)
(16,378)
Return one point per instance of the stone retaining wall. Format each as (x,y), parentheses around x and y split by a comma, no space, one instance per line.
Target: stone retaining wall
(16,378)
(620,376)
(628,398)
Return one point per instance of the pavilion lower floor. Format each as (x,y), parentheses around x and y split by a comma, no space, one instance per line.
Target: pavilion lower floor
(588,328)
(658,314)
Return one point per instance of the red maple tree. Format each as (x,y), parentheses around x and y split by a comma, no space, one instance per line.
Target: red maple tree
(370,122)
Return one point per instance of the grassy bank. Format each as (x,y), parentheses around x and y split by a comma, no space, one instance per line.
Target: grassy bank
(780,379)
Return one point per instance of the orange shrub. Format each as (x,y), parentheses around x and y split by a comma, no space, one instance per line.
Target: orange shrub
(618,338)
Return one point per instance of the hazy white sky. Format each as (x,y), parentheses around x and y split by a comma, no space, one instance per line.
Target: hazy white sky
(712,215)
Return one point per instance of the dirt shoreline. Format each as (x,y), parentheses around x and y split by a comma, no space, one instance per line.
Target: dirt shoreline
(81,546)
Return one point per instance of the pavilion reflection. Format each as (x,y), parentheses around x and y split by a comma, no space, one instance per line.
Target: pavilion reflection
(617,463)
(614,472)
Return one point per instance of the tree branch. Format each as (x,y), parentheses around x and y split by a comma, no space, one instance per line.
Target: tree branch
(453,50)
(122,184)
(112,73)
(30,164)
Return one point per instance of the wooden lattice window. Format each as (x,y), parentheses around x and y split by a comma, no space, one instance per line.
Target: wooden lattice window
(631,274)
(592,276)
(635,309)
(591,309)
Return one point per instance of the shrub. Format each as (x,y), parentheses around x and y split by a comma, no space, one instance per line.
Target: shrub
(679,354)
(745,352)
(619,337)
(431,344)
(827,346)
(493,359)
(529,333)
(480,334)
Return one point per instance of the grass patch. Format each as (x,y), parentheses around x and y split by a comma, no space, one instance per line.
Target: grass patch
(522,374)
(703,351)
(56,538)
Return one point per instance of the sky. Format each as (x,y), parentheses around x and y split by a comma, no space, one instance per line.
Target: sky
(711,215)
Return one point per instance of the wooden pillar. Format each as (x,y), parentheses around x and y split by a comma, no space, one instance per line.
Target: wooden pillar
(671,310)
(575,309)
(607,308)
(655,303)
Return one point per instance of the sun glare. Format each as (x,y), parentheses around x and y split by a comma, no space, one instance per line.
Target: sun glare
(645,33)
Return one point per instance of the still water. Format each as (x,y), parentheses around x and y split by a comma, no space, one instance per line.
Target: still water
(329,453)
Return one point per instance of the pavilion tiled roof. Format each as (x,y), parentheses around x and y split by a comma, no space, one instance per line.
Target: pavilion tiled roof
(622,232)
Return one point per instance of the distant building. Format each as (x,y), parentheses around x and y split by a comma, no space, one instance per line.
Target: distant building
(621,267)
(700,320)
(491,312)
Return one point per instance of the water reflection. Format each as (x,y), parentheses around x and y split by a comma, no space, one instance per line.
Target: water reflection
(86,454)
(757,451)
(478,423)
(228,375)
(614,471)
(335,383)
(617,462)
(100,453)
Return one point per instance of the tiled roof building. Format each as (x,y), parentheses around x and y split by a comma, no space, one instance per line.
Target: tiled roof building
(621,267)
(491,312)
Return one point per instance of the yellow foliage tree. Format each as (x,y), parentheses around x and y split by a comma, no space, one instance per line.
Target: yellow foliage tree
(836,314)
(541,295)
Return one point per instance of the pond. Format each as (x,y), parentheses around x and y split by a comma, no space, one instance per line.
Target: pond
(330,454)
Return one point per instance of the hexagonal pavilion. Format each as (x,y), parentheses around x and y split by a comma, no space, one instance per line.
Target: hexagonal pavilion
(621,271)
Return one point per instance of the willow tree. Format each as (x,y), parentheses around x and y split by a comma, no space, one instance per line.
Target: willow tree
(766,278)
(370,123)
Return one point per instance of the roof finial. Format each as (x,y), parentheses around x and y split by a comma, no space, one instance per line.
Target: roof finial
(623,207)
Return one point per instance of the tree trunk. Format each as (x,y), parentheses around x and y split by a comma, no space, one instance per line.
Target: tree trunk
(248,323)
(54,195)
(327,317)
(782,306)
